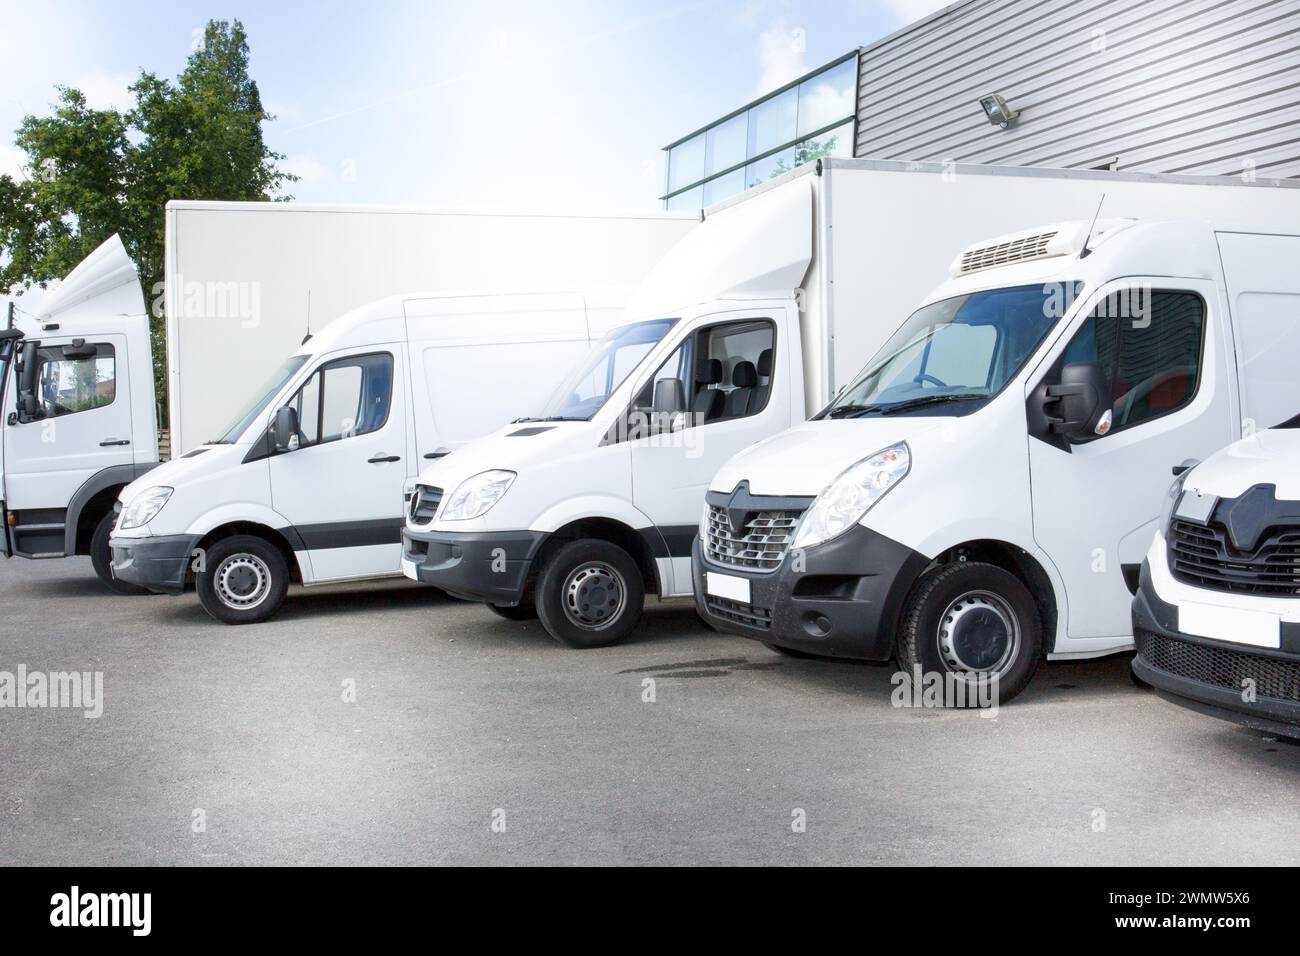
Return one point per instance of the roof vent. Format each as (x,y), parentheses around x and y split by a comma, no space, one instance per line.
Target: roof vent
(1044,242)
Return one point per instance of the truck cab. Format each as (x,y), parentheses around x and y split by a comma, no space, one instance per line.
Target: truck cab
(306,482)
(79,413)
(983,493)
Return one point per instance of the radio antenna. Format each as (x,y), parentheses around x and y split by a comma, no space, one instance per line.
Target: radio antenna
(306,337)
(1085,251)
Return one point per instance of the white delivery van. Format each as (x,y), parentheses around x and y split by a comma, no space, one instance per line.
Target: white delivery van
(306,481)
(984,491)
(751,323)
(79,423)
(246,280)
(1217,615)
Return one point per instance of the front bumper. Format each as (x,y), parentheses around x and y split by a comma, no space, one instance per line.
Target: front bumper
(159,563)
(491,566)
(844,602)
(1207,675)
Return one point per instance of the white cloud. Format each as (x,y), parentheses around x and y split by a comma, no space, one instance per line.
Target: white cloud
(12,161)
(781,50)
(310,170)
(106,91)
(909,11)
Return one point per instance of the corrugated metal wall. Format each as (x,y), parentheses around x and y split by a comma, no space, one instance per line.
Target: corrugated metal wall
(1202,87)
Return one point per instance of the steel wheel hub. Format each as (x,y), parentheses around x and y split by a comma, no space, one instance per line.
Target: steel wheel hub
(594,595)
(979,634)
(242,581)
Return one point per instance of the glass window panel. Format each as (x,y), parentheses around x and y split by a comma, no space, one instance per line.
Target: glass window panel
(69,385)
(691,199)
(827,97)
(686,163)
(725,144)
(760,172)
(772,122)
(716,190)
(836,142)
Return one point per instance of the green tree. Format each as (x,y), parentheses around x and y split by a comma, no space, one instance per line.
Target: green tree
(91,173)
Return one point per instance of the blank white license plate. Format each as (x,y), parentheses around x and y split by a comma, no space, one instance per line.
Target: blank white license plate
(1255,628)
(727,586)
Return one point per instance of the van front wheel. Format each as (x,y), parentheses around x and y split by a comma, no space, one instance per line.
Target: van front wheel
(243,581)
(590,594)
(969,623)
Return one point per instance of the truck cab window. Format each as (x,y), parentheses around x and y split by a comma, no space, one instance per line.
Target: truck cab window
(1148,345)
(345,398)
(66,386)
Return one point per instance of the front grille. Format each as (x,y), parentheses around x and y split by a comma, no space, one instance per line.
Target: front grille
(1276,678)
(1013,250)
(424,503)
(758,617)
(1200,555)
(760,547)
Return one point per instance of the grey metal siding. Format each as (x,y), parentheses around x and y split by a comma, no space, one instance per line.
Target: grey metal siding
(1165,86)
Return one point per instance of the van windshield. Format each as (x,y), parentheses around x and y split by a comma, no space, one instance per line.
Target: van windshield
(594,379)
(262,398)
(952,356)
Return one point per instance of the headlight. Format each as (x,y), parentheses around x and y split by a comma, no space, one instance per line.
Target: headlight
(704,525)
(474,496)
(144,507)
(845,500)
(1171,500)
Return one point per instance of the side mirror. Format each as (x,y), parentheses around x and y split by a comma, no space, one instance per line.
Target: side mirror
(1073,407)
(669,397)
(284,430)
(29,406)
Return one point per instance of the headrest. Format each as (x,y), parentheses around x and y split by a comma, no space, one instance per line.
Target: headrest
(765,363)
(744,375)
(710,372)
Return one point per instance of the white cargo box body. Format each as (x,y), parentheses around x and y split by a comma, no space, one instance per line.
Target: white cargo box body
(240,277)
(883,235)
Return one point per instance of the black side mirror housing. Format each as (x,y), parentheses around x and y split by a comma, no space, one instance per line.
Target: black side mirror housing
(29,406)
(284,430)
(669,397)
(1073,407)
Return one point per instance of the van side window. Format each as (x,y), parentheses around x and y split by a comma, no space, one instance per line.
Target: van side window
(1148,344)
(344,398)
(66,386)
(724,371)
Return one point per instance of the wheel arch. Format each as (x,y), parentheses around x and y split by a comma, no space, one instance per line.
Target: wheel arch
(602,529)
(258,530)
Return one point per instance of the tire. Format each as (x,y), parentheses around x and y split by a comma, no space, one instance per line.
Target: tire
(101,558)
(973,620)
(590,594)
(244,580)
(520,612)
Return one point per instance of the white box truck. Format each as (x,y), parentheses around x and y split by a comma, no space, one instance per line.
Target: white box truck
(77,392)
(746,328)
(245,281)
(982,494)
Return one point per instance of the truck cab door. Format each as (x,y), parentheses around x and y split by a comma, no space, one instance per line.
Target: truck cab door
(340,484)
(1162,348)
(730,383)
(82,427)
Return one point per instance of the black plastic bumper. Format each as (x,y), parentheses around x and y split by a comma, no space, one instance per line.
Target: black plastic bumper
(843,603)
(489,566)
(158,563)
(1207,675)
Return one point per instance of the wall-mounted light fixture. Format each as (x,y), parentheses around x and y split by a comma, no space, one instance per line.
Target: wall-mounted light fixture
(997,110)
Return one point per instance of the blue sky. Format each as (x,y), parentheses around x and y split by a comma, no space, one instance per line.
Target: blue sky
(563,104)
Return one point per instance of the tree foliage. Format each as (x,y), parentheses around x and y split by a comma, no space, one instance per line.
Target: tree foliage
(90,173)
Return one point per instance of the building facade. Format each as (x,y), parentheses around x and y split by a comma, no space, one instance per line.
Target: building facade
(1198,87)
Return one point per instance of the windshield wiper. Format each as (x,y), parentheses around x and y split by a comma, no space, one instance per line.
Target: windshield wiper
(844,411)
(931,400)
(551,418)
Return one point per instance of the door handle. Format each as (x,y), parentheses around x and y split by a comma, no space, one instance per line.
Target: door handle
(107,442)
(380,459)
(440,453)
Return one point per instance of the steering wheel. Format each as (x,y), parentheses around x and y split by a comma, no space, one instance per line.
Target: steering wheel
(923,377)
